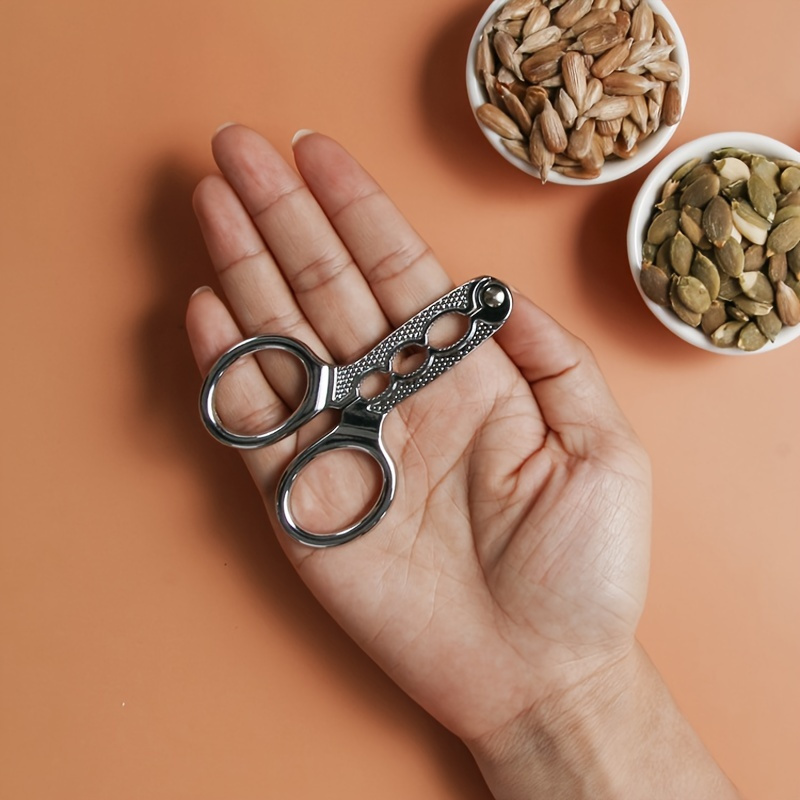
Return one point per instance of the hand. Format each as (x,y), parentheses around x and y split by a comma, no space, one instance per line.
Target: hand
(503,588)
(512,563)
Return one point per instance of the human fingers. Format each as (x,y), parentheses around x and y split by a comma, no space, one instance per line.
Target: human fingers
(566,381)
(260,299)
(401,270)
(309,269)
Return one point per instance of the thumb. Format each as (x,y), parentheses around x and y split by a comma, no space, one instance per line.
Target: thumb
(566,381)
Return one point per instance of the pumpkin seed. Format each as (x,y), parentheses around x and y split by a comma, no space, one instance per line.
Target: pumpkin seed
(693,294)
(681,253)
(785,237)
(655,284)
(723,247)
(751,338)
(699,192)
(757,286)
(790,179)
(731,257)
(770,325)
(727,334)
(685,314)
(761,197)
(717,221)
(714,317)
(750,224)
(705,271)
(664,226)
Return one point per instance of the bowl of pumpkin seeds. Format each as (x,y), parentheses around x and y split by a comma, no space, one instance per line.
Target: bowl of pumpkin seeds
(714,243)
(578,92)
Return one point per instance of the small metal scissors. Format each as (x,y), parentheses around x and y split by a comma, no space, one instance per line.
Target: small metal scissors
(485,302)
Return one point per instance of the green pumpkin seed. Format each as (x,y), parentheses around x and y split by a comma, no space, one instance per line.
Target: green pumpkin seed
(770,325)
(693,293)
(700,192)
(727,334)
(754,257)
(778,268)
(736,313)
(790,179)
(791,199)
(691,223)
(728,288)
(717,221)
(723,248)
(730,257)
(753,308)
(793,261)
(714,317)
(655,284)
(684,170)
(766,169)
(750,224)
(750,338)
(663,227)
(761,198)
(785,237)
(787,212)
(681,253)
(756,286)
(731,170)
(704,269)
(685,314)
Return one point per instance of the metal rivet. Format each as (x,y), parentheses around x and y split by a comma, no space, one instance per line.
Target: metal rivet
(494,296)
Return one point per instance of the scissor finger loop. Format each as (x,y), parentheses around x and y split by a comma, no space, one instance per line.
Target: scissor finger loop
(318,381)
(484,302)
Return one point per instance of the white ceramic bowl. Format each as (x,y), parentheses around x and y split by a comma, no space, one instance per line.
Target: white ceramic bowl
(650,194)
(615,168)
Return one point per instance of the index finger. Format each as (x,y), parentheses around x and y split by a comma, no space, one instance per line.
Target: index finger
(400,267)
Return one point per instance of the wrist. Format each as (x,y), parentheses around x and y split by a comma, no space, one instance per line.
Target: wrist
(616,735)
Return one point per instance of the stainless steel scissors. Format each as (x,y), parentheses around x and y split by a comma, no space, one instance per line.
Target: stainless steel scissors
(485,302)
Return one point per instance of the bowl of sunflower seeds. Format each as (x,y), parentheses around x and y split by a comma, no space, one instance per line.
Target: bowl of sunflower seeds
(714,243)
(578,92)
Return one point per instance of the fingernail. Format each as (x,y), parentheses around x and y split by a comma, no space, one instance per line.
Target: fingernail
(201,289)
(222,128)
(301,134)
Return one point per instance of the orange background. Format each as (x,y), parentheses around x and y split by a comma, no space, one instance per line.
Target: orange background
(155,644)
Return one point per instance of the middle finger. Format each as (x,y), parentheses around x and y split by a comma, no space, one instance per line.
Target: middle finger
(328,287)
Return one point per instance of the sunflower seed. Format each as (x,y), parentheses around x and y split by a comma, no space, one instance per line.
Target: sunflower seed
(517,9)
(571,12)
(494,119)
(787,304)
(551,45)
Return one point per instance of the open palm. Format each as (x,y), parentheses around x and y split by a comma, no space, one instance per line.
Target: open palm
(512,564)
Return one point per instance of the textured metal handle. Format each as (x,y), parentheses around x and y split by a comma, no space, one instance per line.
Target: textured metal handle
(486,302)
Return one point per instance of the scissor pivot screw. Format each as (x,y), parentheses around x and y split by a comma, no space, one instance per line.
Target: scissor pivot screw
(494,296)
